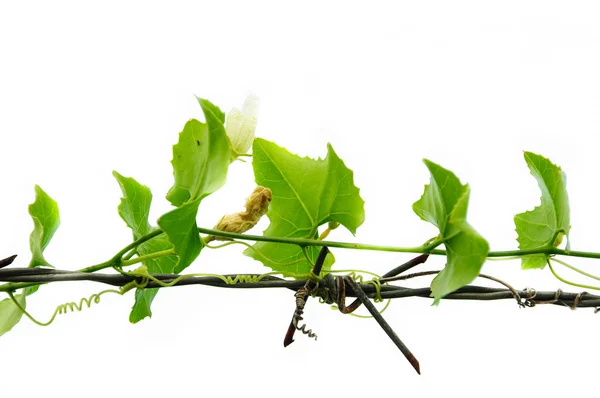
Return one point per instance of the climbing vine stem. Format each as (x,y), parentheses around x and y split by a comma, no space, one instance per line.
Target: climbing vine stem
(429,249)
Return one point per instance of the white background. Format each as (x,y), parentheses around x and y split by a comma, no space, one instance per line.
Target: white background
(85,89)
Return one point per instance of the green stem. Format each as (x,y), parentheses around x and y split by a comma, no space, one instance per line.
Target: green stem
(150,256)
(115,261)
(569,282)
(13,286)
(582,272)
(117,258)
(311,242)
(548,250)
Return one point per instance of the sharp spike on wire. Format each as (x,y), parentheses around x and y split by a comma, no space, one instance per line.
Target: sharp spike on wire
(384,325)
(7,261)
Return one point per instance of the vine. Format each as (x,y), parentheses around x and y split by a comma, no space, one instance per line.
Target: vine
(73,306)
(298,195)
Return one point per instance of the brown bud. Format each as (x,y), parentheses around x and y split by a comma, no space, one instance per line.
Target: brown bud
(257,205)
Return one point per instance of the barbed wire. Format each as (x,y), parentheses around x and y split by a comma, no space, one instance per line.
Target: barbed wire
(330,289)
(530,296)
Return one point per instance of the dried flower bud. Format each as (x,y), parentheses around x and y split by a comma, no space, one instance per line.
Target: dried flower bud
(257,205)
(241,125)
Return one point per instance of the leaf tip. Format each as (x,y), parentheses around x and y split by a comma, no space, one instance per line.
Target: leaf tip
(39,191)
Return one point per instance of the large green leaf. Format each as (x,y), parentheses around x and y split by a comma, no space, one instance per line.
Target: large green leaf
(200,163)
(200,157)
(546,224)
(134,210)
(306,194)
(444,204)
(10,314)
(44,212)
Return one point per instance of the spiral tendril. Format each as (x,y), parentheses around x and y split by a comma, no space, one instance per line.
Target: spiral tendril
(74,306)
(301,295)
(264,257)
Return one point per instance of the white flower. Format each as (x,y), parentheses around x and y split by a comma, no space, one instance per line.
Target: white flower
(241,125)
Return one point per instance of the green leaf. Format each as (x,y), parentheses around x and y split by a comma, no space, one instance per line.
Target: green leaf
(200,157)
(444,204)
(10,314)
(180,226)
(209,106)
(162,265)
(306,194)
(200,164)
(545,225)
(44,212)
(134,210)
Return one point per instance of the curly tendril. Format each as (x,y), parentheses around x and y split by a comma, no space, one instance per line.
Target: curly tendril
(74,306)
(249,246)
(143,273)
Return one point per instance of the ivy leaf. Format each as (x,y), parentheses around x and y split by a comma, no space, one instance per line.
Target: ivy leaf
(134,209)
(44,212)
(200,163)
(306,194)
(545,225)
(444,204)
(10,314)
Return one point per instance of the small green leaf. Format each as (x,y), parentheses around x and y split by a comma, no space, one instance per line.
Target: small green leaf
(180,226)
(134,210)
(10,314)
(44,212)
(545,225)
(200,163)
(444,204)
(306,193)
(439,197)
